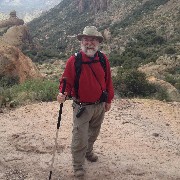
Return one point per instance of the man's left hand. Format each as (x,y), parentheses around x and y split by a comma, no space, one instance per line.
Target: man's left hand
(107,106)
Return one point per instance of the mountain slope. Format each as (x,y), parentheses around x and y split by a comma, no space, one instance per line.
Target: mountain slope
(57,28)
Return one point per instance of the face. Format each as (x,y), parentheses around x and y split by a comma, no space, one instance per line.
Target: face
(89,45)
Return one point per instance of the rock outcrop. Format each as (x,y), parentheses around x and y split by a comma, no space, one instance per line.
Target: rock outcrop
(12,21)
(14,32)
(13,63)
(162,65)
(157,71)
(107,34)
(93,5)
(173,94)
(17,36)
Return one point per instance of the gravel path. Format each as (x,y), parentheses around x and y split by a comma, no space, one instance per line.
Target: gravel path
(139,140)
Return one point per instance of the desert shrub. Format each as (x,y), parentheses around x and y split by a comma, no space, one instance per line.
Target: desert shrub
(42,54)
(145,47)
(137,14)
(131,63)
(161,94)
(174,70)
(132,83)
(177,86)
(171,79)
(149,37)
(170,50)
(7,81)
(43,90)
(5,96)
(115,59)
(32,90)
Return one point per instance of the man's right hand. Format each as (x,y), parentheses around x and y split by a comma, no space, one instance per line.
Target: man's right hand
(61,97)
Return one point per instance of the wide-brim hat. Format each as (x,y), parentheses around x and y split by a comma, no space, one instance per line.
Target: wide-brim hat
(92,32)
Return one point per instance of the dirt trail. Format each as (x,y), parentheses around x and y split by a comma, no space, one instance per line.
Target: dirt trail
(139,140)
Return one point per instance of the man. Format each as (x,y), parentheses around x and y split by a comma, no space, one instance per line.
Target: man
(91,100)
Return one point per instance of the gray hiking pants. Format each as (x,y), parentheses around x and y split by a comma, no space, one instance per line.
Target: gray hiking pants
(86,129)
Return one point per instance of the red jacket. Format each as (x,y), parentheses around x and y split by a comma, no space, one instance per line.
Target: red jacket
(89,88)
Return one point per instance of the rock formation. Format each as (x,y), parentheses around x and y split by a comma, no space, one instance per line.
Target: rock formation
(17,36)
(162,65)
(12,21)
(81,6)
(14,32)
(93,5)
(107,34)
(13,63)
(172,92)
(157,71)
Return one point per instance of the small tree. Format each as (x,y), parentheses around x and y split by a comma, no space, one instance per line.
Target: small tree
(133,83)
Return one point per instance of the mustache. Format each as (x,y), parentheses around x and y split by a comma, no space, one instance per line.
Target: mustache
(90,47)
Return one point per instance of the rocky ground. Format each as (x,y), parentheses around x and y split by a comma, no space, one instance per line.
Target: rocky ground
(139,140)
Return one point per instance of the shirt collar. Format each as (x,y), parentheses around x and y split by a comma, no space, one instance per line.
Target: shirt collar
(86,58)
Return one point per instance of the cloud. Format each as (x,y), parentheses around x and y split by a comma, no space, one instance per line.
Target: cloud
(12,2)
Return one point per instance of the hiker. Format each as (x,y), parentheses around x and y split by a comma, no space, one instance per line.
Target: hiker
(90,86)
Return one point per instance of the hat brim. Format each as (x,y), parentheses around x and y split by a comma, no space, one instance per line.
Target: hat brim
(80,36)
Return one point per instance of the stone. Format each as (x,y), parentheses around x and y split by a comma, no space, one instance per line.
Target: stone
(12,21)
(13,63)
(157,71)
(17,36)
(94,5)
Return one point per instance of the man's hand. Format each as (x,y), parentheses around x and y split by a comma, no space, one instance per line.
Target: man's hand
(107,106)
(61,97)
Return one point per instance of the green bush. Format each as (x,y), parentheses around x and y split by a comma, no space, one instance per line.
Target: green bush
(43,90)
(137,14)
(161,94)
(132,83)
(145,47)
(177,86)
(5,96)
(171,79)
(32,90)
(170,50)
(115,59)
(7,81)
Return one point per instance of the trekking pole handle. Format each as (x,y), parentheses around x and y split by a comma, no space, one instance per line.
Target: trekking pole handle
(64,85)
(61,105)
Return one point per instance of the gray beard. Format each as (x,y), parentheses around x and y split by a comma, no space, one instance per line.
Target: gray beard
(89,52)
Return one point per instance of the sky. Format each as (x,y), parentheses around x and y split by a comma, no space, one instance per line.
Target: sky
(26,9)
(26,5)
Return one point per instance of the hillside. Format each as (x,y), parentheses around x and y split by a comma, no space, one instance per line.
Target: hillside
(123,20)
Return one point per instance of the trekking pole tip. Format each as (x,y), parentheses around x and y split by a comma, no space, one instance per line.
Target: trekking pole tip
(50,175)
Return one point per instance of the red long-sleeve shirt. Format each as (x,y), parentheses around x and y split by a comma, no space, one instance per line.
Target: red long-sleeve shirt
(89,87)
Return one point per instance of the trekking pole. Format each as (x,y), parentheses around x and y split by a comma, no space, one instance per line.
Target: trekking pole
(58,125)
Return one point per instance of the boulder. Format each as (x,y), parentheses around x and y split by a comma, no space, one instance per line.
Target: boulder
(173,93)
(17,36)
(161,67)
(107,34)
(157,71)
(13,63)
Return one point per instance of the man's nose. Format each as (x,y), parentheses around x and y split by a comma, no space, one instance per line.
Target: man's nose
(89,42)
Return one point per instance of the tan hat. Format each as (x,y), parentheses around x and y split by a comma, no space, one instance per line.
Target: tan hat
(92,32)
